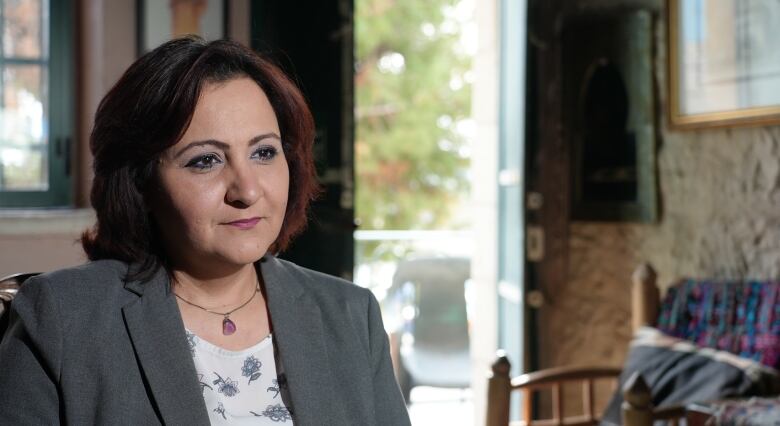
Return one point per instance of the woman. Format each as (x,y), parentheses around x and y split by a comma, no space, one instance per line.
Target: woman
(203,170)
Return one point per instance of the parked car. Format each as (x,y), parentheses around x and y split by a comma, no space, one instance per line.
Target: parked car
(430,339)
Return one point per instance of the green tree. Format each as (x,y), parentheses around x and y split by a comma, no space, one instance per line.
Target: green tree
(412,90)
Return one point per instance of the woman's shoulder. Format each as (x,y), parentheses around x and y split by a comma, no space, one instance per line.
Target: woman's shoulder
(322,285)
(99,276)
(75,295)
(340,301)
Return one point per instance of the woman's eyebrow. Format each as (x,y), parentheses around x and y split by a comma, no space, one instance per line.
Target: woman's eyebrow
(258,138)
(224,146)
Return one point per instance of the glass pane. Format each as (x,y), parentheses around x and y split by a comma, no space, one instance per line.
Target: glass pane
(23,129)
(25,24)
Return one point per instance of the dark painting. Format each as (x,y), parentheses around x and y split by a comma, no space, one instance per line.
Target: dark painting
(609,116)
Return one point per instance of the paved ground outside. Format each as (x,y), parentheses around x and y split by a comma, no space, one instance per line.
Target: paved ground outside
(439,406)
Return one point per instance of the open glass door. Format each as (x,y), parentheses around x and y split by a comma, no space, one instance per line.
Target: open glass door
(511,173)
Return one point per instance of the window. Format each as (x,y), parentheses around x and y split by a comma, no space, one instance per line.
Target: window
(36,103)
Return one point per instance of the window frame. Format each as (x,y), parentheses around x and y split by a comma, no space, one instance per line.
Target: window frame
(61,113)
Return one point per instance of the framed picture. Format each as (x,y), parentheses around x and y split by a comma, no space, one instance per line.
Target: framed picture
(162,20)
(724,63)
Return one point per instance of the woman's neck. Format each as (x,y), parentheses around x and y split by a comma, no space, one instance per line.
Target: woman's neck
(215,291)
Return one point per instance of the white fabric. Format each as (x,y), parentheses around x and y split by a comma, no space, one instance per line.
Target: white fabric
(241,387)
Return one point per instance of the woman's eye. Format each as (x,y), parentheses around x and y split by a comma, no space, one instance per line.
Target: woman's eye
(203,162)
(265,153)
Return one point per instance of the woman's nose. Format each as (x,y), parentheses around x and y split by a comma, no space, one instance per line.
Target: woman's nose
(244,186)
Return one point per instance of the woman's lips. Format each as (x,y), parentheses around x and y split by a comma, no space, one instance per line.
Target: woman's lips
(244,223)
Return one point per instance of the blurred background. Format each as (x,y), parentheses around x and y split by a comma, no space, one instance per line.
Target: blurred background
(493,169)
(390,85)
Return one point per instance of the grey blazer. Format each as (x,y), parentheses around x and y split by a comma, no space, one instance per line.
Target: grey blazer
(86,347)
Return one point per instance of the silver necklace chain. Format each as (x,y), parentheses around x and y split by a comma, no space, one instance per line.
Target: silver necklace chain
(223,314)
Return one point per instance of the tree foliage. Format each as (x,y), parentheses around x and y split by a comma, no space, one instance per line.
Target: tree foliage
(412,91)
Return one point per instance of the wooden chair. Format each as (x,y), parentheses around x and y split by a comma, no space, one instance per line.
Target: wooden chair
(9,286)
(500,386)
(637,409)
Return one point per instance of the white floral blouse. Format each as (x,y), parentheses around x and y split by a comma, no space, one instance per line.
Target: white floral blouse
(241,387)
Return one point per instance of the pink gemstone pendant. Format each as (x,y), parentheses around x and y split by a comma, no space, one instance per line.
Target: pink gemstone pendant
(228,326)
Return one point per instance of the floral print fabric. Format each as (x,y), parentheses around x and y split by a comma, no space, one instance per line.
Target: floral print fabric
(241,387)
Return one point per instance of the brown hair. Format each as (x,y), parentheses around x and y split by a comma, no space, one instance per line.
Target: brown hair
(149,109)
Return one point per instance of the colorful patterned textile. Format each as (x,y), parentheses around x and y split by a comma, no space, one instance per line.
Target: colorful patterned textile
(739,317)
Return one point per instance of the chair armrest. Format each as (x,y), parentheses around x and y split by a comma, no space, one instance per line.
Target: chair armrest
(9,286)
(551,376)
(554,378)
(500,385)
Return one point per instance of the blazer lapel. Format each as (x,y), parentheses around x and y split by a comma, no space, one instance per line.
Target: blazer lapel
(298,330)
(157,333)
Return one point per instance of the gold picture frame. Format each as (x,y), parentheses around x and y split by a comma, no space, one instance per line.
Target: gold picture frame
(723,65)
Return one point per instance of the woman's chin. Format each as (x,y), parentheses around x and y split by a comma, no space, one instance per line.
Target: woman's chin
(244,256)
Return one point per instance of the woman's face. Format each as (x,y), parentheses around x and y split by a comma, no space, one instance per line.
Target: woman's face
(223,187)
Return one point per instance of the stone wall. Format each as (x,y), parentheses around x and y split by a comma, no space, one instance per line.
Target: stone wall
(719,216)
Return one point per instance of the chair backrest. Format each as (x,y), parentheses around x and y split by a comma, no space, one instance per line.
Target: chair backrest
(500,387)
(9,286)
